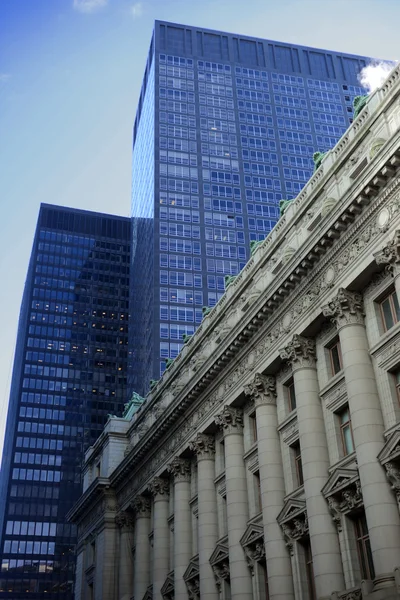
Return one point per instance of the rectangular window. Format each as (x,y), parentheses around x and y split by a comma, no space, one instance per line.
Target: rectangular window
(397,384)
(390,310)
(291,395)
(346,431)
(364,548)
(309,570)
(298,464)
(253,428)
(258,499)
(335,356)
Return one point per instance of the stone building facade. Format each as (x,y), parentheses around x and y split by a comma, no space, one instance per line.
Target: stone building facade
(266,461)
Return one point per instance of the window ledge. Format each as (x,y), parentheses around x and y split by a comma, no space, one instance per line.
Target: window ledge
(332,382)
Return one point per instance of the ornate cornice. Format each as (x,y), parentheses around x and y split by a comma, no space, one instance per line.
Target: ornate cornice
(203,446)
(180,469)
(390,255)
(159,488)
(142,506)
(262,390)
(300,353)
(230,420)
(346,308)
(309,280)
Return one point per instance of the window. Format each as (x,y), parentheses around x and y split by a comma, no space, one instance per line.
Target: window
(397,384)
(364,548)
(346,431)
(309,570)
(390,310)
(258,499)
(291,395)
(253,428)
(335,356)
(298,464)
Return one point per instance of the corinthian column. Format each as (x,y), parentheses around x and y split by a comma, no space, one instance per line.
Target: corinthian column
(230,420)
(125,566)
(141,570)
(327,563)
(390,257)
(159,488)
(180,470)
(263,391)
(204,448)
(381,511)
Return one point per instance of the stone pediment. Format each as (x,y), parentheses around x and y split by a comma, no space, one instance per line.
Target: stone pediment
(253,532)
(168,588)
(193,569)
(149,593)
(220,554)
(292,508)
(391,450)
(339,481)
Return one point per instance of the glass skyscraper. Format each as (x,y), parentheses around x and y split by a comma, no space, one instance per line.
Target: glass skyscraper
(70,371)
(226,127)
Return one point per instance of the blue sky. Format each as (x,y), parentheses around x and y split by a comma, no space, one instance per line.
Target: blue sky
(70,75)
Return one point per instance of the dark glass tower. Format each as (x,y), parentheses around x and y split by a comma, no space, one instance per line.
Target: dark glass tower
(70,371)
(225,128)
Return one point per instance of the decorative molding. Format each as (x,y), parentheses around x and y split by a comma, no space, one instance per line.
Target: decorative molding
(343,493)
(262,389)
(124,520)
(293,521)
(159,487)
(219,561)
(252,543)
(180,469)
(168,587)
(203,446)
(346,308)
(192,578)
(389,256)
(142,506)
(300,353)
(230,420)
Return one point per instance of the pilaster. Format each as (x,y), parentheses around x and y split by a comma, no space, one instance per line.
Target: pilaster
(159,489)
(180,471)
(328,571)
(230,420)
(204,448)
(141,578)
(125,523)
(262,389)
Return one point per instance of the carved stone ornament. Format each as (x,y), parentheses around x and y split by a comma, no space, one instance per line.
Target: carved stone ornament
(230,420)
(300,353)
(221,572)
(345,309)
(393,476)
(124,519)
(192,578)
(343,494)
(262,389)
(142,506)
(203,445)
(253,545)
(159,487)
(390,255)
(353,594)
(295,529)
(180,469)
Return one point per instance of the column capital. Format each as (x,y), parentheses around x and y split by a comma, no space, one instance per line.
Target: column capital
(230,420)
(390,255)
(300,353)
(262,390)
(159,488)
(124,520)
(179,469)
(203,446)
(345,309)
(142,506)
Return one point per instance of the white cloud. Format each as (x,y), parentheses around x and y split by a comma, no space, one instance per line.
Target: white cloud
(136,10)
(89,6)
(4,77)
(373,75)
